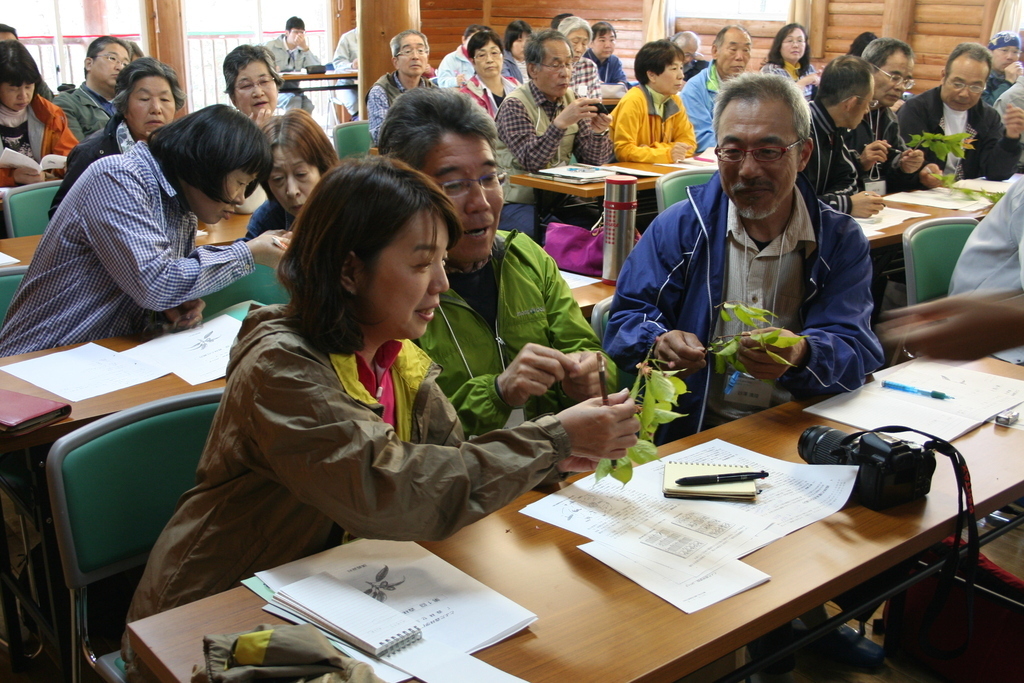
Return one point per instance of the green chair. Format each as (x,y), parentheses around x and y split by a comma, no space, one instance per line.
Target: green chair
(352,139)
(671,187)
(598,321)
(10,278)
(113,486)
(930,250)
(261,285)
(26,208)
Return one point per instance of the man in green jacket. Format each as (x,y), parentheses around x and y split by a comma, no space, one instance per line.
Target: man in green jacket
(89,106)
(511,339)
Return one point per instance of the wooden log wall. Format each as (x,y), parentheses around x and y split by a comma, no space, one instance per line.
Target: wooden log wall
(762,33)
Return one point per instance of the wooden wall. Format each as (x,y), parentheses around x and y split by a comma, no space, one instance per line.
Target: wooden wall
(762,33)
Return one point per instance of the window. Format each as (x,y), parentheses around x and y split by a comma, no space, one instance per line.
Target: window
(765,10)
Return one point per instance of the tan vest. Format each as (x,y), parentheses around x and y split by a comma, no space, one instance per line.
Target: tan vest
(520,194)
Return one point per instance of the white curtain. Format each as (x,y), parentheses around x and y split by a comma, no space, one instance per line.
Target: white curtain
(656,20)
(1007,17)
(800,12)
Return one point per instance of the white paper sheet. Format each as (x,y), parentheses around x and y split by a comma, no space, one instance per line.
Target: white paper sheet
(632,171)
(986,185)
(6,260)
(198,355)
(694,162)
(977,396)
(450,606)
(686,593)
(940,198)
(887,218)
(84,372)
(575,280)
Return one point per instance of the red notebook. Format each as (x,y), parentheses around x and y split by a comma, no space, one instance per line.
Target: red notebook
(21,413)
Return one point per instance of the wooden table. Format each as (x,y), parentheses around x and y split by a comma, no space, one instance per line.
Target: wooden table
(595,625)
(591,294)
(223,232)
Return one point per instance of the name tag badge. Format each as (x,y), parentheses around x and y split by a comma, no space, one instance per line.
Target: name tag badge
(876,186)
(517,418)
(748,391)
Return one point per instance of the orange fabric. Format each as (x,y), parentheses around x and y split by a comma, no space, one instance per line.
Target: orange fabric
(57,136)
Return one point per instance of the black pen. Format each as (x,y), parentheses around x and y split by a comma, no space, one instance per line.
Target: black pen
(706,479)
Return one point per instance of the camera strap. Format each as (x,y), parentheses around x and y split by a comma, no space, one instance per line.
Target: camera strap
(947,576)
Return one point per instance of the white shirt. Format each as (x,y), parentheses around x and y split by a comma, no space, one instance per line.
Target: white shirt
(953,122)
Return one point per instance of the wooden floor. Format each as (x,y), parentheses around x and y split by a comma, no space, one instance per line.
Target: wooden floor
(1007,551)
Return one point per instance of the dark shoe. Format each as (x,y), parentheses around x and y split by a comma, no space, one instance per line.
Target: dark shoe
(848,646)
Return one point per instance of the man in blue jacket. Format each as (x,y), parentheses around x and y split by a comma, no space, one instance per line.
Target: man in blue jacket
(757,234)
(730,53)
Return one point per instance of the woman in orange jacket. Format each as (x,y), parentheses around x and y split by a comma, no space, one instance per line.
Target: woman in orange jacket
(29,124)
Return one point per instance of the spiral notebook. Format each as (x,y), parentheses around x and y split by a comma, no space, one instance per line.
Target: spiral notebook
(734,490)
(350,614)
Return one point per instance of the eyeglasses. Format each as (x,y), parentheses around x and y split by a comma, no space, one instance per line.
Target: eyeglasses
(493,54)
(734,155)
(410,51)
(561,66)
(960,85)
(114,59)
(794,41)
(249,86)
(489,181)
(897,80)
(861,98)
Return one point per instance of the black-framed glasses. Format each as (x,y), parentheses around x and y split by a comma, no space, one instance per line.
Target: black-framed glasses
(734,155)
(960,85)
(489,181)
(897,80)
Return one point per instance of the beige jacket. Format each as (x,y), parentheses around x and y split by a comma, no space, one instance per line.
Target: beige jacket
(291,454)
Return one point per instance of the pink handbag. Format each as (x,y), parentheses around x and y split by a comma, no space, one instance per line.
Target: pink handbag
(576,249)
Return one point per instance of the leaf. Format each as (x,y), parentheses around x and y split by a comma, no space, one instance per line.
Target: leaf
(679,386)
(744,317)
(604,468)
(382,573)
(766,338)
(643,451)
(725,315)
(738,364)
(665,416)
(661,389)
(624,471)
(731,348)
(786,342)
(719,364)
(778,359)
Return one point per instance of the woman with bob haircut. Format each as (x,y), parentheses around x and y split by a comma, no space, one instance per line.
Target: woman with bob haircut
(332,423)
(119,255)
(516,35)
(488,86)
(147,96)
(790,58)
(252,81)
(29,124)
(650,125)
(302,154)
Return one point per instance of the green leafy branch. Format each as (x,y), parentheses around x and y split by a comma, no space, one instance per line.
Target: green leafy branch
(726,349)
(943,145)
(949,182)
(657,391)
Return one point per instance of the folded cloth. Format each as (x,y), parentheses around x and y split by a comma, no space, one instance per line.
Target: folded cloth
(286,653)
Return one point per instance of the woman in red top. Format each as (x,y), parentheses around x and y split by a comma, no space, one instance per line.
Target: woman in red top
(29,124)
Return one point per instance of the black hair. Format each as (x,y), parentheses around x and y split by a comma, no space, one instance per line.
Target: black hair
(844,77)
(97,46)
(656,56)
(975,51)
(144,67)
(558,19)
(294,22)
(879,50)
(241,57)
(16,65)
(861,42)
(480,39)
(201,149)
(475,28)
(514,31)
(775,53)
(4,28)
(535,52)
(602,28)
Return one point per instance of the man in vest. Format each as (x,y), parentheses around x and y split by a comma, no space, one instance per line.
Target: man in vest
(543,124)
(409,53)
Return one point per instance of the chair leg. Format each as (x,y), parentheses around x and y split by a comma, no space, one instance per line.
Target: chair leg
(9,605)
(76,618)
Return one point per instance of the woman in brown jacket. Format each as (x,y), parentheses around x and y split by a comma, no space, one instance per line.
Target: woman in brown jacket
(332,423)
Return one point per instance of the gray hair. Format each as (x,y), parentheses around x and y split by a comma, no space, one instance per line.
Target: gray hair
(879,50)
(686,38)
(762,87)
(241,57)
(975,51)
(535,52)
(396,42)
(720,36)
(418,120)
(570,24)
(145,67)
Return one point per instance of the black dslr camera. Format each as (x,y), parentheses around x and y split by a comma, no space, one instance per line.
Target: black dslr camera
(892,471)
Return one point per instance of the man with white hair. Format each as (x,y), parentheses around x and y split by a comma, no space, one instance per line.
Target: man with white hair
(693,60)
(731,53)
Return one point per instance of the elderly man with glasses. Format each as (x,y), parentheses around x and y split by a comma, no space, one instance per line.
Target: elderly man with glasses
(89,106)
(755,233)
(884,162)
(956,107)
(544,123)
(409,53)
(509,336)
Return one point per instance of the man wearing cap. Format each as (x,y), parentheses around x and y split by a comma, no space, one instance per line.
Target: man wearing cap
(1006,69)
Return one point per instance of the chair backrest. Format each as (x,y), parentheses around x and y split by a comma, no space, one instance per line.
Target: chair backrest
(671,187)
(26,208)
(114,483)
(352,139)
(930,250)
(598,321)
(260,285)
(10,278)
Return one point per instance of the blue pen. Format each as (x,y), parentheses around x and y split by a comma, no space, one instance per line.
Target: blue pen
(914,390)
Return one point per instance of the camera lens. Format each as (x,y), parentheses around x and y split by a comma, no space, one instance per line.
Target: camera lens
(819,445)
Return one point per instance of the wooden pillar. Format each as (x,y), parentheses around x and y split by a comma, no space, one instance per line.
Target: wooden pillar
(166,29)
(897,17)
(819,21)
(988,17)
(343,19)
(487,7)
(378,23)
